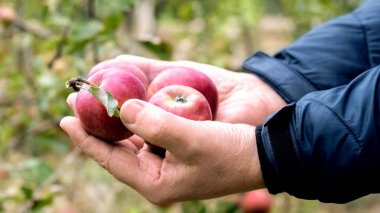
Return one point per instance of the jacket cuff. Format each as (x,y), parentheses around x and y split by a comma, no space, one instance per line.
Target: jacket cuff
(288,82)
(278,156)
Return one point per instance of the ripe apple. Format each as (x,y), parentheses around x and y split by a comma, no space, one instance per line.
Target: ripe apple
(256,201)
(183,101)
(4,173)
(112,63)
(7,14)
(93,115)
(186,77)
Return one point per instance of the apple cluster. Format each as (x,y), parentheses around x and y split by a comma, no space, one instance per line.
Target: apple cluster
(180,90)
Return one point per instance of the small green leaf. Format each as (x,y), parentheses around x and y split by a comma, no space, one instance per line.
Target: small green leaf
(84,31)
(161,49)
(27,191)
(41,203)
(108,101)
(194,206)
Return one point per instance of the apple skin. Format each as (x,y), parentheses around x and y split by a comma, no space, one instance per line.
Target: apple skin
(256,201)
(4,173)
(186,77)
(183,101)
(115,64)
(93,115)
(7,14)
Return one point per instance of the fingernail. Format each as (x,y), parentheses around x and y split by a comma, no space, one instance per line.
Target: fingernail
(70,100)
(130,110)
(63,123)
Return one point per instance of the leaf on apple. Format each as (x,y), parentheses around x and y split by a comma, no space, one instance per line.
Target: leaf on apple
(108,101)
(105,98)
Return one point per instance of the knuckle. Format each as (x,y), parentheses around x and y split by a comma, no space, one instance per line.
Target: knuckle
(85,144)
(102,158)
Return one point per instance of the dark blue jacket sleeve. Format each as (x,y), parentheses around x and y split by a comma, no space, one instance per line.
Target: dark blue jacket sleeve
(325,145)
(329,56)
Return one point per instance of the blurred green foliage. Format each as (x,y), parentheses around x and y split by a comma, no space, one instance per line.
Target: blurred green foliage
(49,41)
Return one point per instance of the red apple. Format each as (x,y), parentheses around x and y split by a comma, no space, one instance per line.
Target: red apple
(256,201)
(93,115)
(183,101)
(186,77)
(4,173)
(7,14)
(112,63)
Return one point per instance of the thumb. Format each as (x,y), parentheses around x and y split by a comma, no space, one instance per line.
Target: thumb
(158,126)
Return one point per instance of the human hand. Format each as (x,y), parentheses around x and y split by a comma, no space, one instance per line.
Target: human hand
(204,159)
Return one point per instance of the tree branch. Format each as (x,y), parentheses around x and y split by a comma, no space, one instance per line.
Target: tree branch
(59,48)
(90,10)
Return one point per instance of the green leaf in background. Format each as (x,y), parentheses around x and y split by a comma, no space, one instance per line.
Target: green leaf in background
(27,191)
(161,49)
(43,202)
(194,206)
(106,8)
(35,171)
(227,207)
(86,31)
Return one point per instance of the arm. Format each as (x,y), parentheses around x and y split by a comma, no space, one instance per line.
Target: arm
(326,146)
(329,56)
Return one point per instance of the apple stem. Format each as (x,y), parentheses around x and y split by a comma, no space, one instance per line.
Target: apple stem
(77,83)
(180,99)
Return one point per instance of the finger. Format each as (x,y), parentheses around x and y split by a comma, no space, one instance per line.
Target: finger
(71,100)
(159,127)
(111,157)
(137,141)
(126,143)
(90,145)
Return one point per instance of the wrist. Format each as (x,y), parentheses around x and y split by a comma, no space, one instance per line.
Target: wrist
(254,171)
(272,98)
(264,99)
